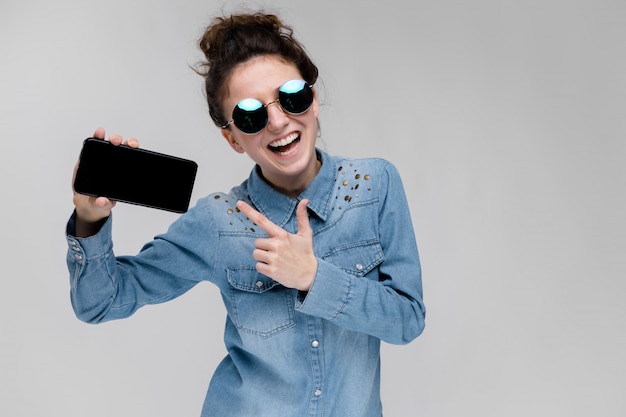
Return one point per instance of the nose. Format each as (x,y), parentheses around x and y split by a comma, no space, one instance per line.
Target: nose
(276,117)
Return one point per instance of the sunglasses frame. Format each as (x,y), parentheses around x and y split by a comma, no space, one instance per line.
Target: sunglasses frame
(265,106)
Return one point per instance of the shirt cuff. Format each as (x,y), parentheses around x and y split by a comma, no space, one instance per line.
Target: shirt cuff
(329,293)
(96,246)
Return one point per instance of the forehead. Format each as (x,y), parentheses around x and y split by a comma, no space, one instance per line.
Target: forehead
(260,78)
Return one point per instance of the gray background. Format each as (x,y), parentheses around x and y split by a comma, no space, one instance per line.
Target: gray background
(506,120)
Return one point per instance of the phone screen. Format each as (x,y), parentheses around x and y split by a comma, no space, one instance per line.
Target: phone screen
(135,175)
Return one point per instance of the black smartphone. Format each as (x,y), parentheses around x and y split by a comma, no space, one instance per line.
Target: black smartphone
(135,175)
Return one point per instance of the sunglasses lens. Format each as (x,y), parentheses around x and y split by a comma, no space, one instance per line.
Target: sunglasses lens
(295,96)
(250,116)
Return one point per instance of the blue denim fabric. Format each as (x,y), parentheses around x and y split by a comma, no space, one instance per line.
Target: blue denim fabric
(289,353)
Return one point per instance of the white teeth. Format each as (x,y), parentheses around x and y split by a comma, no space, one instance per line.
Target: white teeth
(285,141)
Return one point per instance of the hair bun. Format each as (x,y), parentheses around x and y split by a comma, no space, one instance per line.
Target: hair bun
(225,32)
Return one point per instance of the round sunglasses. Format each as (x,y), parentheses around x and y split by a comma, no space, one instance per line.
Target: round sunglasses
(250,115)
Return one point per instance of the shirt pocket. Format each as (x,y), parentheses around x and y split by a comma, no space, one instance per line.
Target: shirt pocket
(358,258)
(260,305)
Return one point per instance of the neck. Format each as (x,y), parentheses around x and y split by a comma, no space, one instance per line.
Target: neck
(294,188)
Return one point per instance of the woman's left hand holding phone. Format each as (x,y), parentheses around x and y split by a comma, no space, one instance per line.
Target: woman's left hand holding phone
(92,212)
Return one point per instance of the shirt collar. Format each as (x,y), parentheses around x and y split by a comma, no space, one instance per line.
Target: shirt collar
(279,208)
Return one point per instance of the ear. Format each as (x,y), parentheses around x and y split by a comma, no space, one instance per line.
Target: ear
(315,105)
(232,141)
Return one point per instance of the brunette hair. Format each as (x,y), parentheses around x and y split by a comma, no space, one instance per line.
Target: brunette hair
(233,40)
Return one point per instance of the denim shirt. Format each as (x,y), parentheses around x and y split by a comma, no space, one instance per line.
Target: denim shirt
(289,353)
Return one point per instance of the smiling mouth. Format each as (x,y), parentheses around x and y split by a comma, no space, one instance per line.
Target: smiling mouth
(283,146)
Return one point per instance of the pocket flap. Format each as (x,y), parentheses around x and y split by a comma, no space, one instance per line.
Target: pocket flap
(357,258)
(247,278)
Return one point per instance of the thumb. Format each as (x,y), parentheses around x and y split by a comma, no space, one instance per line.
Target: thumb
(304,227)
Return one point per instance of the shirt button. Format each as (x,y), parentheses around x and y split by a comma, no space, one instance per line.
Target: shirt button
(78,256)
(259,284)
(318,392)
(359,267)
(315,343)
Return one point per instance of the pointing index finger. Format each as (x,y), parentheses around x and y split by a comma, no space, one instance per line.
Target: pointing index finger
(257,218)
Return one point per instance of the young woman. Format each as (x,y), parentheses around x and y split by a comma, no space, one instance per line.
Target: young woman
(314,255)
